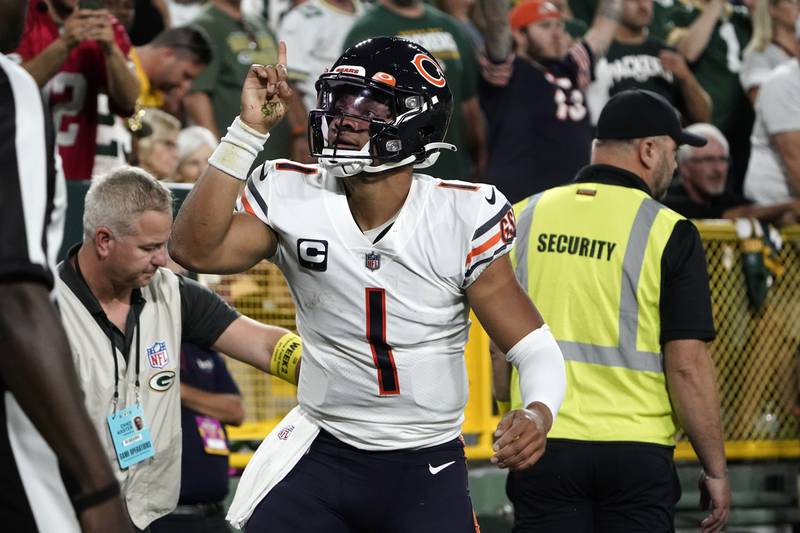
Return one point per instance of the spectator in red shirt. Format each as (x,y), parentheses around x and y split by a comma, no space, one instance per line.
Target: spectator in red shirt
(73,54)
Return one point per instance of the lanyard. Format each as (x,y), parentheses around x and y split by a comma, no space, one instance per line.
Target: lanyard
(114,351)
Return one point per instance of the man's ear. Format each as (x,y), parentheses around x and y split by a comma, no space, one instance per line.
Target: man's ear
(103,241)
(648,153)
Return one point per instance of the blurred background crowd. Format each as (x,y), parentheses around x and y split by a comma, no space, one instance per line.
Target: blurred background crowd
(155,83)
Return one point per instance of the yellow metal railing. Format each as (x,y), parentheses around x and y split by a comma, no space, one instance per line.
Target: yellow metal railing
(755,352)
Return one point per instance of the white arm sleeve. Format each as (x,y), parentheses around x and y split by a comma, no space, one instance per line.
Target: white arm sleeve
(542,375)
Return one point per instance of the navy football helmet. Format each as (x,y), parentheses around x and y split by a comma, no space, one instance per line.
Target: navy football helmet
(395,86)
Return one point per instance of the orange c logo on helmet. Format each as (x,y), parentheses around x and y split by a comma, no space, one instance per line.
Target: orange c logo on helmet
(419,63)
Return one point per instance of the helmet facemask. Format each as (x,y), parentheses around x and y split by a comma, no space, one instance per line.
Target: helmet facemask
(398,134)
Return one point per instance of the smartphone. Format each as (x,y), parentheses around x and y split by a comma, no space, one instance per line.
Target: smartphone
(91,4)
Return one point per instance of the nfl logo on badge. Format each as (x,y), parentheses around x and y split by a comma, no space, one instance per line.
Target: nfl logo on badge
(373,261)
(157,355)
(284,433)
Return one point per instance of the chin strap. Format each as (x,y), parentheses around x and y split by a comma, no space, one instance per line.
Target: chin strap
(342,168)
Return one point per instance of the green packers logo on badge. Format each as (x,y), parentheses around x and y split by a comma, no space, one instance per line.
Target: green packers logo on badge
(162,381)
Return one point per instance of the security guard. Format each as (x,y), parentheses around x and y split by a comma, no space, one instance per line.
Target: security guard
(623,284)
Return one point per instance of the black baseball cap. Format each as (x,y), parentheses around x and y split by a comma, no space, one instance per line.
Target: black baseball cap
(638,113)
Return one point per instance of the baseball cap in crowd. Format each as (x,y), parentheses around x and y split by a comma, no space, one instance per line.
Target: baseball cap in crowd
(530,11)
(637,113)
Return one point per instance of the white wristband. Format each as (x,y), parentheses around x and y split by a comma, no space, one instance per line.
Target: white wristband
(238,150)
(542,373)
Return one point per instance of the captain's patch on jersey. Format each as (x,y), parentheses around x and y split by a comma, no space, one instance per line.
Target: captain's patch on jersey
(313,254)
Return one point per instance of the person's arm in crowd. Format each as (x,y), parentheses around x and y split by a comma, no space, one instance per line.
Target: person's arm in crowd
(787,144)
(495,296)
(121,79)
(497,33)
(48,63)
(163,10)
(695,98)
(475,135)
(692,41)
(782,214)
(37,368)
(198,106)
(606,21)
(225,407)
(693,392)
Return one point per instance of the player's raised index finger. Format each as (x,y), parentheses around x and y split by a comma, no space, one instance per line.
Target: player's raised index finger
(282,53)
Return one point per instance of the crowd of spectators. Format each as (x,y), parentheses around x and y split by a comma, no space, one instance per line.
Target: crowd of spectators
(528,78)
(154,83)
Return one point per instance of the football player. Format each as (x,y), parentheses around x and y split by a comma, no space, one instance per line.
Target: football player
(384,264)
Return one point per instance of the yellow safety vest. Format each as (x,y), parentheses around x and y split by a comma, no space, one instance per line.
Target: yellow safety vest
(589,254)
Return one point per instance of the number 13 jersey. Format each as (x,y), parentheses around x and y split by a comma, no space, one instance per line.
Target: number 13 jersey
(384,324)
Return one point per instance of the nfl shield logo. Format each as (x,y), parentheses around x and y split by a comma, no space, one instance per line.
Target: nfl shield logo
(284,433)
(373,261)
(157,355)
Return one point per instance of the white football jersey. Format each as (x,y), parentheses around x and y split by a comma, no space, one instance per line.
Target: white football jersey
(314,33)
(383,324)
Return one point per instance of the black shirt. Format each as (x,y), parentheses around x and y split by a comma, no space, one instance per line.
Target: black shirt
(678,200)
(685,306)
(539,132)
(204,476)
(205,315)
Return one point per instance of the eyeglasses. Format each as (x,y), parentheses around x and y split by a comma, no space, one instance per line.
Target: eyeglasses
(709,159)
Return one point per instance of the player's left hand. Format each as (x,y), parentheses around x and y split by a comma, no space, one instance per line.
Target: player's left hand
(521,437)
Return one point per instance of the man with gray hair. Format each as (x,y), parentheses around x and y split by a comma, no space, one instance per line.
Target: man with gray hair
(701,192)
(126,315)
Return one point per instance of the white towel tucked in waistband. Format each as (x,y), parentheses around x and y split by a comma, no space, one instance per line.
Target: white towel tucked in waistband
(275,458)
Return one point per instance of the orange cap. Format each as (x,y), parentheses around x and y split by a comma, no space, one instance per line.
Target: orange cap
(532,11)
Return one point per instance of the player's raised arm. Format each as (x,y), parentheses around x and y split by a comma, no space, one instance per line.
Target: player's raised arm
(208,236)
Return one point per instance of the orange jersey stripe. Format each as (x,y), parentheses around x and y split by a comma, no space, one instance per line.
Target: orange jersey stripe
(247,206)
(483,247)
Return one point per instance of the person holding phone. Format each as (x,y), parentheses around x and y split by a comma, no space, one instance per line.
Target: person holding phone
(74,51)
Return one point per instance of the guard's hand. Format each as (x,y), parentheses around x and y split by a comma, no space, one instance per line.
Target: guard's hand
(521,437)
(264,94)
(714,494)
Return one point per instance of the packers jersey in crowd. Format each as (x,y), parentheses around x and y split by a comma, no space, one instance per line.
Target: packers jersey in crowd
(384,320)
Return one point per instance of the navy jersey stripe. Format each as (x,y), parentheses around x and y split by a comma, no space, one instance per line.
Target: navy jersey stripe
(492,222)
(257,197)
(475,265)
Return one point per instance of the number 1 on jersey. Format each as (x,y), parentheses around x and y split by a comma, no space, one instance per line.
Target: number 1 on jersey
(376,335)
